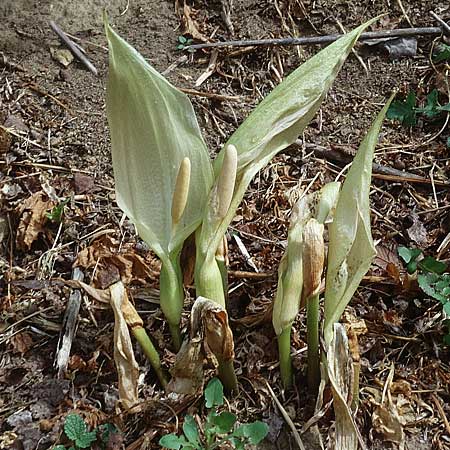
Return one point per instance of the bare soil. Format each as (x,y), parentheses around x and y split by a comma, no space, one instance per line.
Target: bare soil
(60,147)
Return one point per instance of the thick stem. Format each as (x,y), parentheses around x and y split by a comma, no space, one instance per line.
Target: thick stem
(312,322)
(284,350)
(150,352)
(172,297)
(208,280)
(227,376)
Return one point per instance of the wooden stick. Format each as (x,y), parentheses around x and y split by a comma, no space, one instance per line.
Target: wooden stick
(321,40)
(74,48)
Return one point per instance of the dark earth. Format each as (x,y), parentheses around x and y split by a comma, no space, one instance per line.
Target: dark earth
(54,144)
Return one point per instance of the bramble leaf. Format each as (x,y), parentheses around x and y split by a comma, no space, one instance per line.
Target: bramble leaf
(403,111)
(76,430)
(443,53)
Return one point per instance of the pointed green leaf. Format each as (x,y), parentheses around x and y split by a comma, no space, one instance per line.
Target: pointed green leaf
(153,127)
(278,121)
(351,247)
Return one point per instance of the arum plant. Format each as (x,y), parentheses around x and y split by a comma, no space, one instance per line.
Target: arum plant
(161,164)
(154,131)
(299,276)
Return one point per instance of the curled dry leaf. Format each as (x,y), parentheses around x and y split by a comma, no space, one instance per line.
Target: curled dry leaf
(127,367)
(113,266)
(190,25)
(33,217)
(210,336)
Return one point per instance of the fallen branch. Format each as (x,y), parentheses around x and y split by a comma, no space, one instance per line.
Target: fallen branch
(74,48)
(322,40)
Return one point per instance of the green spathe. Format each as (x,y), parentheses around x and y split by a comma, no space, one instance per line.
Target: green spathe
(351,248)
(153,128)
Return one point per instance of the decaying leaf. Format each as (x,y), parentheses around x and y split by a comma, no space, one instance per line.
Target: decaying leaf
(340,373)
(127,367)
(33,217)
(385,417)
(62,55)
(21,342)
(190,25)
(210,336)
(112,266)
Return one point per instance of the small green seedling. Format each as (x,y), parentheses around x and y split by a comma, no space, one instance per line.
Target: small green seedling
(76,430)
(220,428)
(432,278)
(406,111)
(57,213)
(184,42)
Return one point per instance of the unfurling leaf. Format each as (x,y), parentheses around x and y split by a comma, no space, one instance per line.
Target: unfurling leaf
(351,247)
(153,128)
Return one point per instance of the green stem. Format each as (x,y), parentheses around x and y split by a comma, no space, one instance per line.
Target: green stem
(150,352)
(312,321)
(227,376)
(284,350)
(172,296)
(209,281)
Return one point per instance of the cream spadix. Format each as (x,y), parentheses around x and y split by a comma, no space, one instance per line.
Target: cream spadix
(180,194)
(227,179)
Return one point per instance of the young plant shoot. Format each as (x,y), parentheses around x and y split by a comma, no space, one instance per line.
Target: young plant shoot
(300,275)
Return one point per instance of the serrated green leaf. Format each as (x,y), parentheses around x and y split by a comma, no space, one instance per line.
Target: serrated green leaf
(275,124)
(153,128)
(255,432)
(172,441)
(190,429)
(224,422)
(351,248)
(403,111)
(443,53)
(74,427)
(85,440)
(430,264)
(427,283)
(431,107)
(59,447)
(214,393)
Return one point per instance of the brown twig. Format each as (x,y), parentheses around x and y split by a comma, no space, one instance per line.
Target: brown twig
(74,48)
(321,40)
(444,24)
(211,95)
(379,171)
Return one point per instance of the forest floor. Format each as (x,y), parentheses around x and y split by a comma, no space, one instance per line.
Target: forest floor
(55,148)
